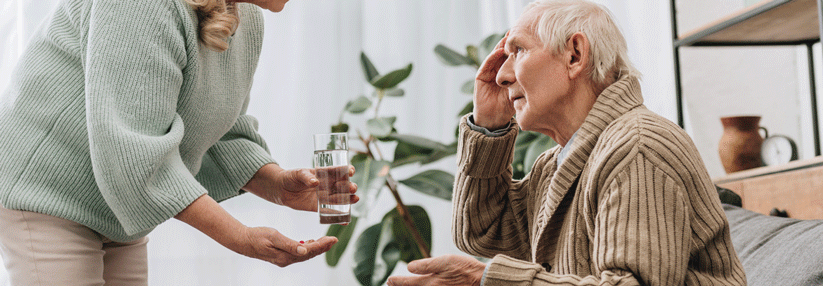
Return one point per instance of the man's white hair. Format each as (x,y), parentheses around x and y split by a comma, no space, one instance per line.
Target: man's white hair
(560,19)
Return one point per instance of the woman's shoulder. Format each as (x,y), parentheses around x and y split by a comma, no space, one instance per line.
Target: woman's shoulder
(159,10)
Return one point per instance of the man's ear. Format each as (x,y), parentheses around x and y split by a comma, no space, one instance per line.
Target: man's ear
(578,54)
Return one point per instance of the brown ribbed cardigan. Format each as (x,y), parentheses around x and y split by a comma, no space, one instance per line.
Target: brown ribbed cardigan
(644,210)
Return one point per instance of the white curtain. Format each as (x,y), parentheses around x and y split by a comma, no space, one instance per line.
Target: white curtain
(310,68)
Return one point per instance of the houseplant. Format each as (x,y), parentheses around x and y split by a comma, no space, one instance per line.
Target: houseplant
(404,233)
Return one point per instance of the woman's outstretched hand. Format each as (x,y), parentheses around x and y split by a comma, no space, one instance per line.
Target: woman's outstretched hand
(263,243)
(296,188)
(270,245)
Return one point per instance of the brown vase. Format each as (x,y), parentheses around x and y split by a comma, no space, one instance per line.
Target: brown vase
(739,146)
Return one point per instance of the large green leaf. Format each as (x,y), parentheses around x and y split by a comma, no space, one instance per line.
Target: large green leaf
(381,246)
(468,87)
(409,250)
(534,150)
(343,234)
(368,68)
(370,177)
(437,155)
(419,141)
(380,127)
(450,57)
(405,153)
(391,79)
(358,105)
(364,256)
(435,183)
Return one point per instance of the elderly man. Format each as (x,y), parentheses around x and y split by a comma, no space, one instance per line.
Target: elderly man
(624,199)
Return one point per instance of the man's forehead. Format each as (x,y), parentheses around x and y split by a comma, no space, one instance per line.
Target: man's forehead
(520,34)
(525,26)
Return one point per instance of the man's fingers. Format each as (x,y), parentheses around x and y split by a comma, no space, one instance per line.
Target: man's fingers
(407,280)
(502,42)
(423,266)
(492,64)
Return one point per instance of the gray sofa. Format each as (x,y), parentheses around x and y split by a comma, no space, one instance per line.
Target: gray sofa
(776,250)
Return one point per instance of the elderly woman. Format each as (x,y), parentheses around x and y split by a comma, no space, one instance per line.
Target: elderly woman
(624,199)
(123,114)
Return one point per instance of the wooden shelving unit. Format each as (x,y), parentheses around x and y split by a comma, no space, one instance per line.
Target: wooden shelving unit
(794,187)
(768,23)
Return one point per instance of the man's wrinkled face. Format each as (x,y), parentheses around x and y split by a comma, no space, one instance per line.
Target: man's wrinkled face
(537,80)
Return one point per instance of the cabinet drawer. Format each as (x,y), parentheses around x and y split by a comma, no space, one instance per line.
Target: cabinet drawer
(799,192)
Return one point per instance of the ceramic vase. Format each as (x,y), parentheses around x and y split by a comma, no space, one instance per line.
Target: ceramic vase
(740,144)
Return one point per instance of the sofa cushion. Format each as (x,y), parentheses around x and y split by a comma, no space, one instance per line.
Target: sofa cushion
(777,250)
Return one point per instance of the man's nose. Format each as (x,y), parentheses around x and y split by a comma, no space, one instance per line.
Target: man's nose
(505,76)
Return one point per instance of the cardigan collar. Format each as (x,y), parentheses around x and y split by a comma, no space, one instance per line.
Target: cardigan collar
(616,100)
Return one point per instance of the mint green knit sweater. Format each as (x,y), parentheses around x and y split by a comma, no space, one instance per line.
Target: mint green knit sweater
(116,117)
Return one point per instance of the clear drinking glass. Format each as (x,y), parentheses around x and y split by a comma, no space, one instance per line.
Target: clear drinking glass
(331,162)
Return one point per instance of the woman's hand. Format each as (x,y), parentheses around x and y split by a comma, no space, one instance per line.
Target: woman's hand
(492,107)
(295,188)
(268,244)
(262,243)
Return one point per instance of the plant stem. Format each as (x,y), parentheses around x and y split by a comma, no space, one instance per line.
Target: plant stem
(404,213)
(380,94)
(401,207)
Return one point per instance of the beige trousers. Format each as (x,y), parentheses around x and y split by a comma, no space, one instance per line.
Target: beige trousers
(45,250)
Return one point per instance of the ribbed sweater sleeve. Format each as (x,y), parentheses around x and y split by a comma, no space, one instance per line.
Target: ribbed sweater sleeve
(231,162)
(132,88)
(489,210)
(641,233)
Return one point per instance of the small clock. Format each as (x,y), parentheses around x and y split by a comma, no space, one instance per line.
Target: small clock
(777,150)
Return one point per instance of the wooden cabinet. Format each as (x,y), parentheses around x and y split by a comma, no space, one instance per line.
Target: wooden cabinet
(796,187)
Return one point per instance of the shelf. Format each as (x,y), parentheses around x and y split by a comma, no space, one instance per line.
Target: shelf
(770,22)
(770,170)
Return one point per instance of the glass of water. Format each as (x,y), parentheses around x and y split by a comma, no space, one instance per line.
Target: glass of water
(331,163)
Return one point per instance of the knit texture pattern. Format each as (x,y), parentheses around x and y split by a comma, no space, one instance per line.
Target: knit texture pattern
(644,210)
(116,117)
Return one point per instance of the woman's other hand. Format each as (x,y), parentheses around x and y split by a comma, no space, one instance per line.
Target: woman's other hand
(296,188)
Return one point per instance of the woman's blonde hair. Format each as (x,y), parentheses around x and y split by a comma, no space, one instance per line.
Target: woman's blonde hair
(218,21)
(560,19)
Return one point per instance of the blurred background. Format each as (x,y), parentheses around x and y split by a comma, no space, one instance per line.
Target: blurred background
(310,68)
